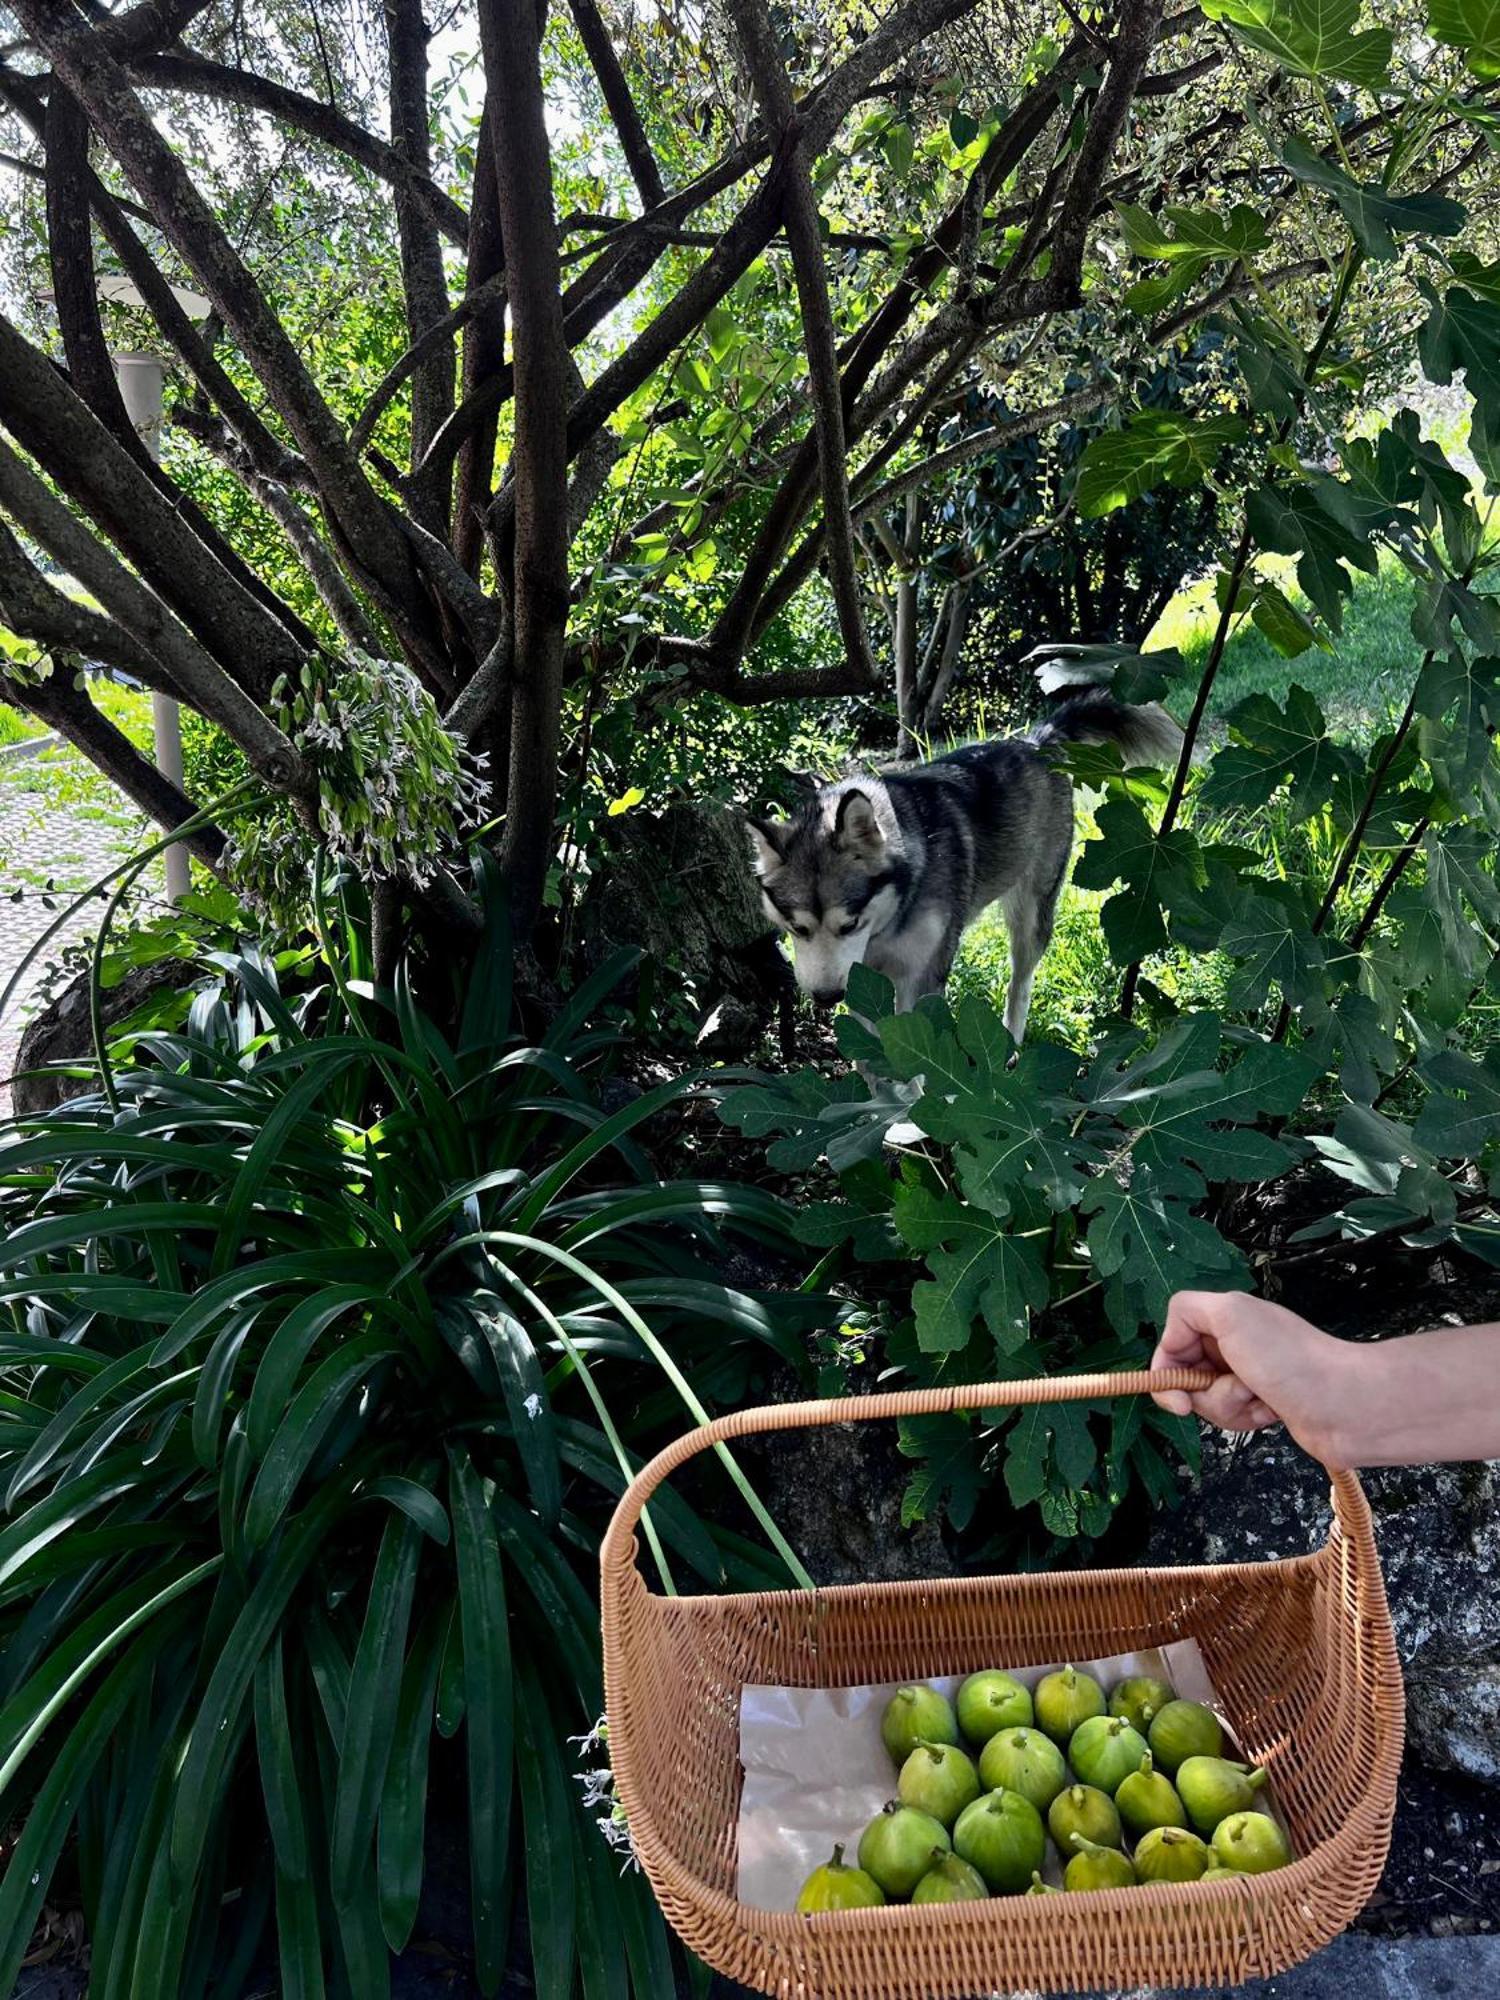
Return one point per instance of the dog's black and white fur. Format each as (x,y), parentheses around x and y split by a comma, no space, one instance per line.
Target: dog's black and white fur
(889,871)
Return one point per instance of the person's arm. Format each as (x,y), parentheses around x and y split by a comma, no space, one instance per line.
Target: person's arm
(1420,1400)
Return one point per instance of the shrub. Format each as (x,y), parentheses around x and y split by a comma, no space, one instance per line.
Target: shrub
(327,1352)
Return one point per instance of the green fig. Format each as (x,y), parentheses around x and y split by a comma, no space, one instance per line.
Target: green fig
(1003,1837)
(1138,1698)
(1212,1789)
(1181,1730)
(950,1880)
(1105,1750)
(1096,1867)
(916,1715)
(1024,1761)
(1218,1874)
(896,1847)
(1041,1888)
(990,1702)
(1170,1854)
(1084,1809)
(835,1886)
(1251,1843)
(1063,1700)
(939,1780)
(1147,1799)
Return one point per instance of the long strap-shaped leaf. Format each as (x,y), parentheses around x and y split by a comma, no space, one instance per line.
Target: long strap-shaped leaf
(488,1700)
(555,1254)
(403,1804)
(210,1742)
(51,1811)
(371,1711)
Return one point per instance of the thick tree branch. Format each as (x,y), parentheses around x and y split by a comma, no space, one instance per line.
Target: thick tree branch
(83,64)
(804,233)
(483,360)
(600,49)
(56,427)
(70,251)
(423,284)
(147,622)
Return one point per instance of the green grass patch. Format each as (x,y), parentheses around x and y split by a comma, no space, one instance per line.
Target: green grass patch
(1359,686)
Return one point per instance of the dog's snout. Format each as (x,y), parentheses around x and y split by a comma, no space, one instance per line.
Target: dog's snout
(827,996)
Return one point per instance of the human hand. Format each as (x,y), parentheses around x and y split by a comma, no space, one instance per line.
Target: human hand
(1269,1367)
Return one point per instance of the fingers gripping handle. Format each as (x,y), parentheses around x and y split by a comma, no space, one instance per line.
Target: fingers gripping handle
(618,1547)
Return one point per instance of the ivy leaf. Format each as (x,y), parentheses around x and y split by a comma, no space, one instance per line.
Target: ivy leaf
(1370,210)
(976,1268)
(1313,37)
(1472,26)
(1154,870)
(1289,521)
(1462,1115)
(951,1476)
(1157,447)
(1275,746)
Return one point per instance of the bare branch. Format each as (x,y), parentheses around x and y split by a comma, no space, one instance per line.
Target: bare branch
(81,61)
(803,229)
(484,360)
(600,50)
(423,284)
(147,621)
(70,250)
(199,75)
(51,422)
(485,298)
(1140,24)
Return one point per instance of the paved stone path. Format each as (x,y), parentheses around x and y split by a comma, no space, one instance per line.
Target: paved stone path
(60,822)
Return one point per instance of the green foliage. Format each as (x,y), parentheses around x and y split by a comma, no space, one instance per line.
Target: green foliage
(324,1358)
(1316,38)
(1157,447)
(1339,897)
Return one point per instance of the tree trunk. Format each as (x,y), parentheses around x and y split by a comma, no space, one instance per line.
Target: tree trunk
(509,32)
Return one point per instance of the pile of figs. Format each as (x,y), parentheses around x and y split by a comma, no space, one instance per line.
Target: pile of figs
(1133,1787)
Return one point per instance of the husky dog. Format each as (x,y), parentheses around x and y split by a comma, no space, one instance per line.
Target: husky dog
(890,871)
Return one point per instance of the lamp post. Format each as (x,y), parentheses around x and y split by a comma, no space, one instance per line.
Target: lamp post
(141,377)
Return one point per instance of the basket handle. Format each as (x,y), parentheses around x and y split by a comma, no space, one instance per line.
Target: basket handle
(617,1553)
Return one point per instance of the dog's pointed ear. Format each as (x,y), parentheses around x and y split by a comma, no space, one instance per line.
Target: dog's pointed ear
(766,851)
(855,826)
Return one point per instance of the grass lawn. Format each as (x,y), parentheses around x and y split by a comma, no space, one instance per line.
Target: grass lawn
(1359,686)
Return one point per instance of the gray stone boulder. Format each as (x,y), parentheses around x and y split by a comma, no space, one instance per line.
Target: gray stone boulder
(60,1033)
(1439,1535)
(677,886)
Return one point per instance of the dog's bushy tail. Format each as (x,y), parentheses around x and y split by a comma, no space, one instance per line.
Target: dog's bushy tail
(1146,733)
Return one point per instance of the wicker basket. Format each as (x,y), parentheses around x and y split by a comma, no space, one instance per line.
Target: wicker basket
(1301,1652)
